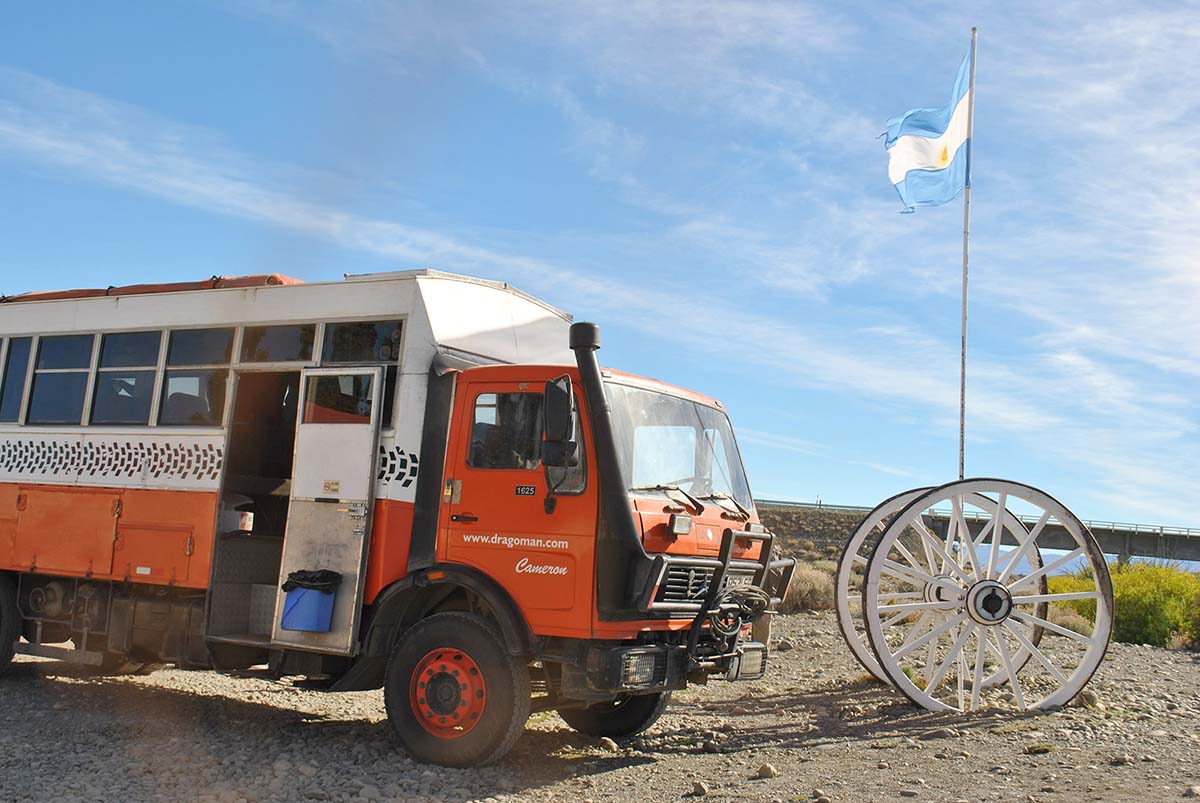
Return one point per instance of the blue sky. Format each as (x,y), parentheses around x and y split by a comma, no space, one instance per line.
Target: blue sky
(703,179)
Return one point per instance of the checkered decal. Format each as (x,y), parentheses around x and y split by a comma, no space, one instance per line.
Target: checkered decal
(397,465)
(112,459)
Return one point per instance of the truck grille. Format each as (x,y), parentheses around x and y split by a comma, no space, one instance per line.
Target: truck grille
(684,583)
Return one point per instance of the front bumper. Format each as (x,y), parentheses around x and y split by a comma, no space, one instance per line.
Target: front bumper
(648,668)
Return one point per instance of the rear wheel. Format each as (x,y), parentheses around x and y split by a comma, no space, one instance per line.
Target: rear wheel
(453,694)
(10,621)
(624,716)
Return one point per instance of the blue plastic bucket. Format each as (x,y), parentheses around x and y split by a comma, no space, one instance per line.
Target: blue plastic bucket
(307,609)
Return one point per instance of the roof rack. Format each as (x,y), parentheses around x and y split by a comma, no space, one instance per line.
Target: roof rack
(212,283)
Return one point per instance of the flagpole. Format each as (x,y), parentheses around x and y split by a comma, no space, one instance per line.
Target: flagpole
(962,380)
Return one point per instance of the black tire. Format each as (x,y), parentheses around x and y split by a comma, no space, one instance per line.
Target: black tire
(500,722)
(10,621)
(624,716)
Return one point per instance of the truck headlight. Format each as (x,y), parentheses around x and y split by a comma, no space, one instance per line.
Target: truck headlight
(639,668)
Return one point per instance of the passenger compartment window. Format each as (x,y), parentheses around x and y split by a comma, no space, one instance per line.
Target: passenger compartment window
(278,343)
(60,379)
(341,399)
(125,378)
(12,386)
(367,343)
(197,376)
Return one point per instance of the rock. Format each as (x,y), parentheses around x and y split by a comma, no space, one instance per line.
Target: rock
(710,747)
(1038,748)
(1192,791)
(818,793)
(699,789)
(739,710)
(370,792)
(823,799)
(883,765)
(785,645)
(938,733)
(908,793)
(1086,699)
(608,745)
(1120,761)
(767,771)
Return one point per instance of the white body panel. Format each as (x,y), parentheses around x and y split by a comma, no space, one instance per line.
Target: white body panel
(452,320)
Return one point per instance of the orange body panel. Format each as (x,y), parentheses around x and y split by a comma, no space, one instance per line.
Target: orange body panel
(144,536)
(391,536)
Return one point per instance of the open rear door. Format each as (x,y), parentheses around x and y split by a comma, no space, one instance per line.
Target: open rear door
(333,484)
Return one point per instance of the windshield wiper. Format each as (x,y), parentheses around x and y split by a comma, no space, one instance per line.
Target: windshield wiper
(675,488)
(721,497)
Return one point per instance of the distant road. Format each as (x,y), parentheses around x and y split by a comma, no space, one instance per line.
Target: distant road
(1116,538)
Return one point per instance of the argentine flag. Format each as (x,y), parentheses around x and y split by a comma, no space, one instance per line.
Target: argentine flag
(929,150)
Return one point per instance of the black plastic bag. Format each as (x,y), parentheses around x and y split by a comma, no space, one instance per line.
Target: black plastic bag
(321,580)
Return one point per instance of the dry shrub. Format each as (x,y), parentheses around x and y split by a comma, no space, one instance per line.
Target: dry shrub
(827,566)
(1071,619)
(808,545)
(811,590)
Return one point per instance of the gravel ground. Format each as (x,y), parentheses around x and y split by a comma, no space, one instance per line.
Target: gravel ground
(826,732)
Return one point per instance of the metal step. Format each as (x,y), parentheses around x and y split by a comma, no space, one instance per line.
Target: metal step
(85,657)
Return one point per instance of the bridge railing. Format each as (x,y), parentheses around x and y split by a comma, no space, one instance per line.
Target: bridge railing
(1109,526)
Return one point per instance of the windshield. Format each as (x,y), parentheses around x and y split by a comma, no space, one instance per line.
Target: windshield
(666,440)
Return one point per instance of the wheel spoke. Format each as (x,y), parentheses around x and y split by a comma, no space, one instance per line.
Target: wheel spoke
(930,558)
(1035,652)
(859,559)
(955,650)
(1030,599)
(908,556)
(1049,567)
(910,607)
(977,680)
(918,628)
(1053,628)
(997,532)
(949,563)
(1020,551)
(964,534)
(930,636)
(901,595)
(912,576)
(893,620)
(1006,659)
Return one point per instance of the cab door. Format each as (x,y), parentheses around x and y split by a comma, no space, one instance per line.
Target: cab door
(496,514)
(333,487)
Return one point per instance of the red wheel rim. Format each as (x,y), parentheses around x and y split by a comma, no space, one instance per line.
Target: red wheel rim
(448,693)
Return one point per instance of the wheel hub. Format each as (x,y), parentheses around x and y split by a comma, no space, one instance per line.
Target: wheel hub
(448,693)
(989,602)
(940,591)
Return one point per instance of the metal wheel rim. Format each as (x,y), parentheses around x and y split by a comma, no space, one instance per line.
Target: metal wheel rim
(963,624)
(459,709)
(848,622)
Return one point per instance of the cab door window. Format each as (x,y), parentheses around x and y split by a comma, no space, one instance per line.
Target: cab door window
(506,434)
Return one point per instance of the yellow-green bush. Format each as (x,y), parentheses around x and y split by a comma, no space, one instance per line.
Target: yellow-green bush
(1154,603)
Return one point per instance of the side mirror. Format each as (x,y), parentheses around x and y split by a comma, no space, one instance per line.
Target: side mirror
(557,409)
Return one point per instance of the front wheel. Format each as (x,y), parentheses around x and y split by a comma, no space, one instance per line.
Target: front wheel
(624,716)
(453,693)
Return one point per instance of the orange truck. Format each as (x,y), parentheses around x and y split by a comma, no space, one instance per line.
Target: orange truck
(415,481)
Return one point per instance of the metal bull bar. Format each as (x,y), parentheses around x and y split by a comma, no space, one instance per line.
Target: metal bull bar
(727,610)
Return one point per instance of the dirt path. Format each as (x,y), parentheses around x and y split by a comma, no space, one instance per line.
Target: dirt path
(184,736)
